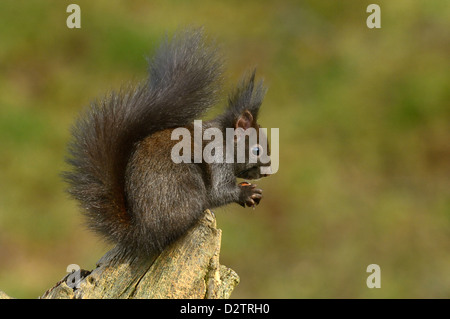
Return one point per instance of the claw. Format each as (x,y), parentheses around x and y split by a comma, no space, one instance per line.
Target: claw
(250,195)
(251,203)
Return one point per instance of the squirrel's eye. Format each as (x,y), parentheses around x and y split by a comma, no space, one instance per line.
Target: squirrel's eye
(256,150)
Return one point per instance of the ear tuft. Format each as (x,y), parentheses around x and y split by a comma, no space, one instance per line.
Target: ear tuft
(244,103)
(248,95)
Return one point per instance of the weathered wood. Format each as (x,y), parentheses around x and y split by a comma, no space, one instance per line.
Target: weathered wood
(189,268)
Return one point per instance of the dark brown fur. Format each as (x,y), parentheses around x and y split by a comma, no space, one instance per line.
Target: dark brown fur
(129,189)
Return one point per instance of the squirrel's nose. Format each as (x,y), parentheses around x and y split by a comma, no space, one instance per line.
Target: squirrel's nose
(267,170)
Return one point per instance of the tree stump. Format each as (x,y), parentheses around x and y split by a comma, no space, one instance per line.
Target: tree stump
(189,268)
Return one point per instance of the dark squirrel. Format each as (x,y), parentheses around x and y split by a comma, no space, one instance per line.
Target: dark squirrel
(122,174)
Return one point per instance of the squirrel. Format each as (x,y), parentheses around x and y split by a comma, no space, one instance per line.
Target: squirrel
(121,172)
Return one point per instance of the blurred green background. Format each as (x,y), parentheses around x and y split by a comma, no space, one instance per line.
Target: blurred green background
(364,118)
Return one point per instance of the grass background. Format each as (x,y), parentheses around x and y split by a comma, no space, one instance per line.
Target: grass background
(364,118)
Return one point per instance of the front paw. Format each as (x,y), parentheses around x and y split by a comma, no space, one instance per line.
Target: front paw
(250,195)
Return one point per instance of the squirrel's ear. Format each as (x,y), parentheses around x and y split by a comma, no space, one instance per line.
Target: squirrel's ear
(244,103)
(247,97)
(244,121)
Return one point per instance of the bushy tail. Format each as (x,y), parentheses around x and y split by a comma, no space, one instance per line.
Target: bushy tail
(182,85)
